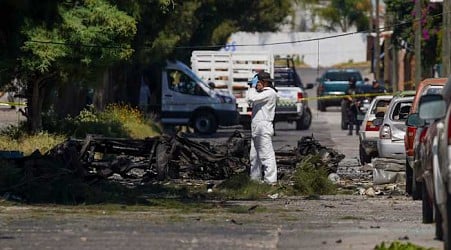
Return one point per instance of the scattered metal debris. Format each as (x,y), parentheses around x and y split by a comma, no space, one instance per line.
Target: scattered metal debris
(132,162)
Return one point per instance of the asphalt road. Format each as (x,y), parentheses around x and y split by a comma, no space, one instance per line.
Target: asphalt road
(332,222)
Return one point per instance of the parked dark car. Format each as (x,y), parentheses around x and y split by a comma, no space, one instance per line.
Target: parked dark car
(414,137)
(332,86)
(435,110)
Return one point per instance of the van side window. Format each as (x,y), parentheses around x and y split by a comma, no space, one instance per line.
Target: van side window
(180,82)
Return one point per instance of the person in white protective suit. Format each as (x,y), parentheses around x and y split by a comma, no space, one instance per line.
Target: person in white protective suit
(262,157)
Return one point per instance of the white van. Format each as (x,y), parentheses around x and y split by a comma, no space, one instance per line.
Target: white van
(188,100)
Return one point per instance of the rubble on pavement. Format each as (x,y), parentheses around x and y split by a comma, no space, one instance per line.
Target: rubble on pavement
(383,176)
(181,159)
(159,158)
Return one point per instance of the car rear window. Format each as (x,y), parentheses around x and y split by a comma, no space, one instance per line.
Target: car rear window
(380,106)
(285,78)
(342,76)
(433,90)
(401,111)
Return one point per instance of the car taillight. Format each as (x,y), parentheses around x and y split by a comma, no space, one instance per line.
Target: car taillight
(300,96)
(423,134)
(411,131)
(385,132)
(320,88)
(369,126)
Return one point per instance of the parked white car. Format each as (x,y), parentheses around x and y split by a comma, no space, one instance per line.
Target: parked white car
(369,133)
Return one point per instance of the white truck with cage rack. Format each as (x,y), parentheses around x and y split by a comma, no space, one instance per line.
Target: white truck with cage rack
(232,71)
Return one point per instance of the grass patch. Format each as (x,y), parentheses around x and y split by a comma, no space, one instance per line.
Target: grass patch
(400,246)
(29,143)
(241,187)
(311,178)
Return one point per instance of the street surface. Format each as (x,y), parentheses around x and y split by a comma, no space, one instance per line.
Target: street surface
(331,222)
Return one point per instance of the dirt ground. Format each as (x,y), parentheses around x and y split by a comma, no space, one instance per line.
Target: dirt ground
(331,222)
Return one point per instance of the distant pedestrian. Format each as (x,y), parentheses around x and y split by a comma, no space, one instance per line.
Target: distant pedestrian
(262,157)
(352,106)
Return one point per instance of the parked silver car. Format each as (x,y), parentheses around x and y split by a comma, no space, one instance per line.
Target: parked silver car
(392,128)
(369,133)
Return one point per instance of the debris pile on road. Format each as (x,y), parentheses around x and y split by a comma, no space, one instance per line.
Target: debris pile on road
(157,158)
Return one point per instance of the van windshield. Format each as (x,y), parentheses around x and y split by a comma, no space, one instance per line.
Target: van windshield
(196,78)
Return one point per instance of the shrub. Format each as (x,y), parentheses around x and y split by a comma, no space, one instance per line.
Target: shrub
(117,120)
(400,246)
(311,177)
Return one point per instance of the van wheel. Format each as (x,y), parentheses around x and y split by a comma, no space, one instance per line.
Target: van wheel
(205,123)
(305,121)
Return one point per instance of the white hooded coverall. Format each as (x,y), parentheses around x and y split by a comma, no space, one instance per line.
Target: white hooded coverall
(262,156)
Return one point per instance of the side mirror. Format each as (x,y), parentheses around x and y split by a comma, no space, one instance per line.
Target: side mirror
(414,120)
(212,85)
(309,86)
(378,121)
(380,114)
(432,107)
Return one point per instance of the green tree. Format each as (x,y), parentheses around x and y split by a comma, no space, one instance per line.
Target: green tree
(164,26)
(403,32)
(82,38)
(341,13)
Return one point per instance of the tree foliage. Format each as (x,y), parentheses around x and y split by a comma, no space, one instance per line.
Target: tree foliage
(342,14)
(165,25)
(405,24)
(52,42)
(89,34)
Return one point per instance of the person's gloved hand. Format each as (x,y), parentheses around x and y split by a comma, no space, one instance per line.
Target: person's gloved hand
(254,81)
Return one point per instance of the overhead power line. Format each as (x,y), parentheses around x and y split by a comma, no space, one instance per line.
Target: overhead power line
(401,23)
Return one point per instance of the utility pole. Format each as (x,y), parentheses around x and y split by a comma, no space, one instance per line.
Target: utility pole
(371,29)
(387,48)
(377,48)
(446,53)
(417,25)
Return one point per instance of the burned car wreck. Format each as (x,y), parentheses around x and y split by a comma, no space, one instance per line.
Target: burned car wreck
(159,158)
